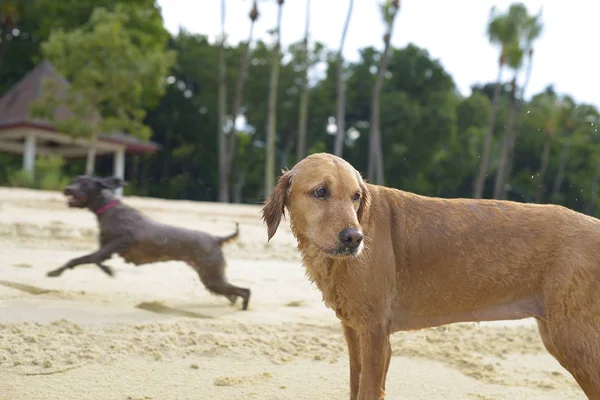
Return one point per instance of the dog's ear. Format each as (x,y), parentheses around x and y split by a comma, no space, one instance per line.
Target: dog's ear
(365,201)
(274,207)
(112,182)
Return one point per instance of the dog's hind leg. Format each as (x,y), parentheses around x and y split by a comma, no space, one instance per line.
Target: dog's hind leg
(212,276)
(230,291)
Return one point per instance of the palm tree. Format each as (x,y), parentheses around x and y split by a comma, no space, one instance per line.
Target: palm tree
(237,104)
(222,98)
(272,108)
(338,148)
(548,107)
(530,31)
(568,117)
(303,112)
(389,9)
(515,61)
(501,31)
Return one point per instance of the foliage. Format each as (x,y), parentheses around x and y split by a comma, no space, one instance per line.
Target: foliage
(48,175)
(431,135)
(109,72)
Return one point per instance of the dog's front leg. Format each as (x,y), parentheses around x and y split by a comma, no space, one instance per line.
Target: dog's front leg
(353,343)
(374,355)
(102,254)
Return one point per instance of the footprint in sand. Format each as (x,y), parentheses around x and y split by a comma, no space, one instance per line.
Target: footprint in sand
(22,265)
(27,288)
(160,308)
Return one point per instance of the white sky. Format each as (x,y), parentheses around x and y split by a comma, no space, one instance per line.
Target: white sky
(567,54)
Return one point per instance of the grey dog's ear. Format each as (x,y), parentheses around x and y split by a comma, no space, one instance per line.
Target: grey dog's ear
(274,207)
(112,182)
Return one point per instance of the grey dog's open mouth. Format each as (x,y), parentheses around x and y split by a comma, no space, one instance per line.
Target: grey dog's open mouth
(73,200)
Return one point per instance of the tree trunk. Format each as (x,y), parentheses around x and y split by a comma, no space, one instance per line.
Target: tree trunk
(223,181)
(239,94)
(272,110)
(513,130)
(507,142)
(303,112)
(340,119)
(239,186)
(90,163)
(564,156)
(590,207)
(539,193)
(489,136)
(375,168)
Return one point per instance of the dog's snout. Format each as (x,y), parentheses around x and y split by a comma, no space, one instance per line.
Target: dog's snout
(351,237)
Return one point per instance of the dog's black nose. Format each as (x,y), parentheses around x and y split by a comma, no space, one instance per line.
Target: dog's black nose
(351,237)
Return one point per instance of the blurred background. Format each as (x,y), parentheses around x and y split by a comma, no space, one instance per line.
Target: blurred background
(208,100)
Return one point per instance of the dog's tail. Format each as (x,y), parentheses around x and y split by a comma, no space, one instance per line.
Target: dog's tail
(226,239)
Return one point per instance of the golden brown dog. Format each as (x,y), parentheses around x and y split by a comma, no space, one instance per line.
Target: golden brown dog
(387,260)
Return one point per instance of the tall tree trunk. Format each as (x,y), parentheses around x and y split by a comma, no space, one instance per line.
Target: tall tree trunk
(564,156)
(513,130)
(340,119)
(590,207)
(272,110)
(499,188)
(223,181)
(239,186)
(303,112)
(239,94)
(90,162)
(489,136)
(375,168)
(539,193)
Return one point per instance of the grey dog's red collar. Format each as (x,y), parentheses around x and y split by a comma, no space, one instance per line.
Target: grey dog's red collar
(107,207)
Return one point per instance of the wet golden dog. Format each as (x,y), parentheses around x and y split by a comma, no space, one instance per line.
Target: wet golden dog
(387,260)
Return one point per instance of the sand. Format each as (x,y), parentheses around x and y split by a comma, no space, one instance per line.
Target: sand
(153,332)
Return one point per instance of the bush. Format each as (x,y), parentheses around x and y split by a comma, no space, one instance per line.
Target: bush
(48,175)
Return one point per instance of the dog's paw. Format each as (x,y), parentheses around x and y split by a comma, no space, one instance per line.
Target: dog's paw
(54,273)
(107,270)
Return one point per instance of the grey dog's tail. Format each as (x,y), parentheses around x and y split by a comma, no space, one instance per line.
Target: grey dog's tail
(226,239)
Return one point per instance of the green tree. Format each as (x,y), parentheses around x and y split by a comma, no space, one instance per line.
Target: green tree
(9,18)
(502,31)
(529,30)
(545,110)
(108,73)
(338,148)
(389,9)
(237,106)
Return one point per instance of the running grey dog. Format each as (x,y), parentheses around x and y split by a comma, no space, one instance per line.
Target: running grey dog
(141,240)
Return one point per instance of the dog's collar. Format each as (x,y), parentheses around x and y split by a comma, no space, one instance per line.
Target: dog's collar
(107,207)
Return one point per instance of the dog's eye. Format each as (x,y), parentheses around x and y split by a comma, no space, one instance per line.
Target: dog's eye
(320,193)
(356,196)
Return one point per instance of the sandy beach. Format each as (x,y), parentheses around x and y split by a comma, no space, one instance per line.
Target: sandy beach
(154,332)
